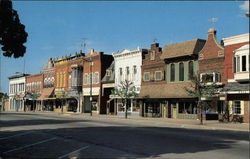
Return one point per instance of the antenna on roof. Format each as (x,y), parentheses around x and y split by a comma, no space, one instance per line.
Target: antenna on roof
(213,20)
(83,44)
(155,40)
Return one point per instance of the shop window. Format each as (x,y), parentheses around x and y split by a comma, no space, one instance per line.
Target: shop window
(237,107)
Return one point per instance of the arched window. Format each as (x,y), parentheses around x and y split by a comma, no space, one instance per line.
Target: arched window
(172,74)
(190,69)
(181,72)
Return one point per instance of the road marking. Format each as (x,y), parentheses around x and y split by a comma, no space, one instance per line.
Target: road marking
(15,135)
(85,147)
(23,147)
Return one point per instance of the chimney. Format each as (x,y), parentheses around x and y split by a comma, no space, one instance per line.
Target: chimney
(155,47)
(92,51)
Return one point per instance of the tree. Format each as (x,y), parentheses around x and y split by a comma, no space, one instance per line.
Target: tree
(33,96)
(125,91)
(12,32)
(200,89)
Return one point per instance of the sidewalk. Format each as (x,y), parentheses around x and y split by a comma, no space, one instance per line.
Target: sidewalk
(168,122)
(154,122)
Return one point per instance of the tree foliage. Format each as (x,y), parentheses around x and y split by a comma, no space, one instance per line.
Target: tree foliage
(201,89)
(12,32)
(125,91)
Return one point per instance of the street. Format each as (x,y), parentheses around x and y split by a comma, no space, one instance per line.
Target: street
(31,135)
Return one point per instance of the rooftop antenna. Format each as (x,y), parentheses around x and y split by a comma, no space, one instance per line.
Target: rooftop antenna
(213,20)
(155,40)
(83,44)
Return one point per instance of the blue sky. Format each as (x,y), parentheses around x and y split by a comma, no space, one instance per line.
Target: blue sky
(57,28)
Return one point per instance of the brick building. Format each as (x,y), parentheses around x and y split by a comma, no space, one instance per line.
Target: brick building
(68,83)
(211,70)
(34,86)
(237,75)
(95,65)
(153,77)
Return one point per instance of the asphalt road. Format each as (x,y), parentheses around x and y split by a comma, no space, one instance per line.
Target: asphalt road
(57,136)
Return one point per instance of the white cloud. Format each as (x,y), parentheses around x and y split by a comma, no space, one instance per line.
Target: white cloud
(245,6)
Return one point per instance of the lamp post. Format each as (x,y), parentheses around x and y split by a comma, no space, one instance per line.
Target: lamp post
(90,93)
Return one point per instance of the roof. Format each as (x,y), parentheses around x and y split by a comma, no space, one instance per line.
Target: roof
(168,90)
(18,76)
(185,48)
(111,78)
(235,86)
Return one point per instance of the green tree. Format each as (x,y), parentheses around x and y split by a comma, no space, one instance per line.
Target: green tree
(126,91)
(200,89)
(12,32)
(34,96)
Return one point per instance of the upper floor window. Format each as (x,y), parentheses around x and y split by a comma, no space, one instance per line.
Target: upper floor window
(181,72)
(152,55)
(146,76)
(96,78)
(172,72)
(210,77)
(158,75)
(127,70)
(190,69)
(241,59)
(120,70)
(134,69)
(85,79)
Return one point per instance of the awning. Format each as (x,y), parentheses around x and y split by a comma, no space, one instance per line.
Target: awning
(46,93)
(21,95)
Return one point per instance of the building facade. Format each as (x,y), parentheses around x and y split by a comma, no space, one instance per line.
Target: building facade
(95,66)
(34,86)
(211,71)
(108,84)
(181,62)
(237,76)
(128,67)
(17,92)
(153,77)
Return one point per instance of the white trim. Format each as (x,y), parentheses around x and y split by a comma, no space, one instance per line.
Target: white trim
(236,39)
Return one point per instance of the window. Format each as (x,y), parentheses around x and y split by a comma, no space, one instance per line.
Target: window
(244,63)
(120,71)
(210,77)
(158,75)
(108,72)
(237,108)
(134,69)
(238,64)
(96,78)
(152,55)
(190,69)
(234,65)
(146,76)
(181,72)
(172,72)
(127,70)
(85,79)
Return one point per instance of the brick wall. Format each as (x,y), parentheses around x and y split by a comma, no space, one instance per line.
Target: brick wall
(229,56)
(31,83)
(211,57)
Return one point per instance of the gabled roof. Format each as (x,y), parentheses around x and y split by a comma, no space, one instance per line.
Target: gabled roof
(111,78)
(185,48)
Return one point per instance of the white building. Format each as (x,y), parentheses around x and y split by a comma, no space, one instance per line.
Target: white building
(128,67)
(17,92)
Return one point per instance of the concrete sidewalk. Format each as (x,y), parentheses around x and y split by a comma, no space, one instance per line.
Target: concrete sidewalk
(154,122)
